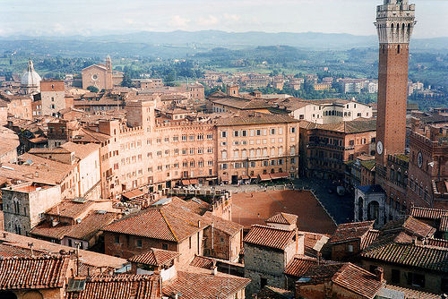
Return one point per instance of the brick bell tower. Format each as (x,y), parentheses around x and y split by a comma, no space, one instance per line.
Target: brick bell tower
(394,23)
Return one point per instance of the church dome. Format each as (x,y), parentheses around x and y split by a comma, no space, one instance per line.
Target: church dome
(30,78)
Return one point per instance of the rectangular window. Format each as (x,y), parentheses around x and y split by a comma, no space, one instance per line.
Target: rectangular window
(395,276)
(139,243)
(164,246)
(117,239)
(223,134)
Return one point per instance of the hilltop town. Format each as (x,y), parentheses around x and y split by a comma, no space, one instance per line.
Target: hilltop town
(161,191)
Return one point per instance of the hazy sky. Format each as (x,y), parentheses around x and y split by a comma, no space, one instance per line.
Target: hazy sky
(93,17)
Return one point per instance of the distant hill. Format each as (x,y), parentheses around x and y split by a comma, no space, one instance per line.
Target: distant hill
(183,43)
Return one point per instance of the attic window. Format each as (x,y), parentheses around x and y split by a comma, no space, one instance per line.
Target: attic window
(76,285)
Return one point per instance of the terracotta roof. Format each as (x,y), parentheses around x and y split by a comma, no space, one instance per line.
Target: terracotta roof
(416,227)
(204,286)
(412,294)
(69,208)
(443,227)
(351,231)
(269,237)
(357,280)
(10,141)
(85,135)
(418,256)
(269,292)
(119,286)
(81,150)
(283,218)
(254,119)
(96,262)
(18,273)
(428,213)
(350,127)
(299,265)
(168,222)
(240,103)
(436,242)
(320,273)
(229,227)
(85,230)
(48,171)
(347,276)
(202,262)
(369,238)
(155,257)
(314,242)
(195,205)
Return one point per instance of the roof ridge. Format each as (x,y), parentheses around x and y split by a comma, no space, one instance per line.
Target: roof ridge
(169,226)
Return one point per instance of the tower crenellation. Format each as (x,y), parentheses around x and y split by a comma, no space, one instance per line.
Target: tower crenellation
(395,21)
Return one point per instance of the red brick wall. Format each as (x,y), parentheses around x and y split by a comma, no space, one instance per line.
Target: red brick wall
(392,97)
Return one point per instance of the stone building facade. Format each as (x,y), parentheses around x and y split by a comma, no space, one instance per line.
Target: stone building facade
(428,165)
(254,144)
(101,76)
(52,94)
(24,204)
(267,251)
(325,149)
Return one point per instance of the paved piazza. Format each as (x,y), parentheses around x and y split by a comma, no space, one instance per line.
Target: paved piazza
(254,207)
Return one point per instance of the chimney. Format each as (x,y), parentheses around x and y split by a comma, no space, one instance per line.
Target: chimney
(379,274)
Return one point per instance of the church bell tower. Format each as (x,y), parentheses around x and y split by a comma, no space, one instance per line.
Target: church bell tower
(395,20)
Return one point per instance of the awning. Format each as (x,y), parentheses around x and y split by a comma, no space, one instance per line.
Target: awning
(211,179)
(194,182)
(133,194)
(265,177)
(279,175)
(185,182)
(245,177)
